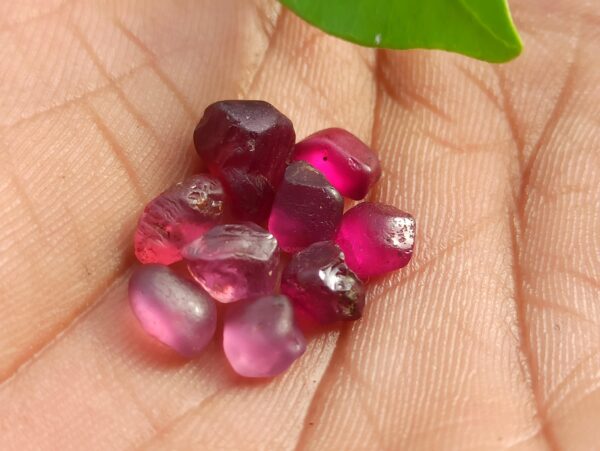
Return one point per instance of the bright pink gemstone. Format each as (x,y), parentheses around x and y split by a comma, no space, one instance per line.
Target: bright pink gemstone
(172,309)
(307,208)
(320,283)
(178,216)
(235,261)
(376,238)
(247,144)
(347,162)
(260,337)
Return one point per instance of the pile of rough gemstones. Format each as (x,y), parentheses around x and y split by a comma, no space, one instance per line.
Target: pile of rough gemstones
(265,196)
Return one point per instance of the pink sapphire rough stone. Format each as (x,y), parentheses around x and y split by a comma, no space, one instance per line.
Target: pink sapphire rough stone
(172,309)
(260,336)
(178,216)
(376,238)
(320,283)
(307,208)
(347,162)
(235,261)
(247,144)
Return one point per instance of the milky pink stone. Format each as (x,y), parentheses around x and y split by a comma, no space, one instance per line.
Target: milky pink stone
(174,310)
(260,336)
(320,283)
(235,261)
(307,208)
(347,162)
(178,216)
(376,238)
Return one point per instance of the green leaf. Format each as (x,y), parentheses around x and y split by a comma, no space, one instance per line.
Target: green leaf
(481,29)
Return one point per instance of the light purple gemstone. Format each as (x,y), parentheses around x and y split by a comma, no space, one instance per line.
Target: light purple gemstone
(235,261)
(261,338)
(172,309)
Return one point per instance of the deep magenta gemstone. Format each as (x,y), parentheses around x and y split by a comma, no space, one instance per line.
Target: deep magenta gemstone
(376,238)
(172,309)
(307,209)
(178,216)
(260,336)
(319,282)
(347,162)
(235,261)
(247,144)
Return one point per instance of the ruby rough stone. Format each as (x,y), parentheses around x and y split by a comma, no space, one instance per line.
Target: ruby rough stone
(320,283)
(260,336)
(247,144)
(235,261)
(178,216)
(376,238)
(347,162)
(307,209)
(172,309)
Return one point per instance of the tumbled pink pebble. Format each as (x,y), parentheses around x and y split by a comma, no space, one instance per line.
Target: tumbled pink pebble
(320,283)
(347,162)
(235,261)
(376,238)
(172,309)
(307,208)
(260,336)
(178,216)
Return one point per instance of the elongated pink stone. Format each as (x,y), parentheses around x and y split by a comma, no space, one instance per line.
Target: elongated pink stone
(347,162)
(260,336)
(319,282)
(376,238)
(178,216)
(234,261)
(172,309)
(307,209)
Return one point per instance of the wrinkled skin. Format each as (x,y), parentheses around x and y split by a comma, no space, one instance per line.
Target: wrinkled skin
(489,339)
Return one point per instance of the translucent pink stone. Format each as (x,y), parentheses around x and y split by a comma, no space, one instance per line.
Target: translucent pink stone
(347,162)
(260,337)
(247,144)
(307,208)
(319,282)
(174,310)
(376,238)
(178,216)
(235,261)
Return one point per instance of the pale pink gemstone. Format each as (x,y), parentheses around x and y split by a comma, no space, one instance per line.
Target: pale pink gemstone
(172,309)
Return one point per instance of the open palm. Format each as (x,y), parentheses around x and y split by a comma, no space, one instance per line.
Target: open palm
(489,339)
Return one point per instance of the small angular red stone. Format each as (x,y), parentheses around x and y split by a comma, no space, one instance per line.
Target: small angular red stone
(347,162)
(307,208)
(320,283)
(376,238)
(178,216)
(247,144)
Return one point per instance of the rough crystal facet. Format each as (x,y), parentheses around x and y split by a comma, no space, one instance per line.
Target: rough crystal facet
(320,283)
(347,162)
(172,309)
(307,208)
(235,261)
(260,336)
(178,216)
(376,238)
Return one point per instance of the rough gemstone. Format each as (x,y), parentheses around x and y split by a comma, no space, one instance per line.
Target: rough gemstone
(376,238)
(235,261)
(347,162)
(260,336)
(174,310)
(178,216)
(320,283)
(307,208)
(247,144)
